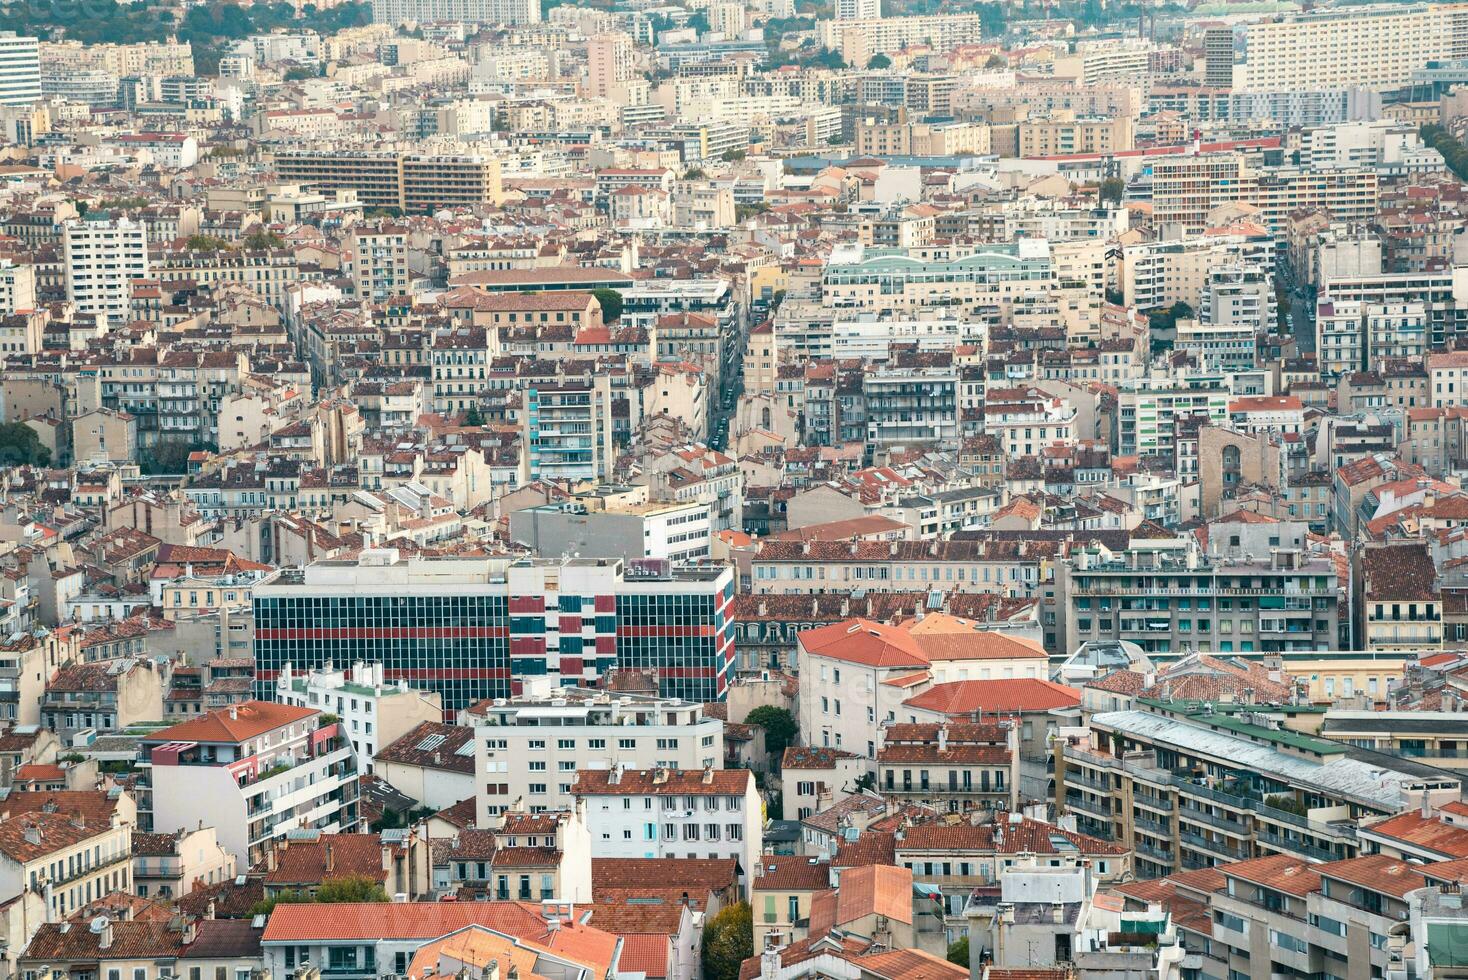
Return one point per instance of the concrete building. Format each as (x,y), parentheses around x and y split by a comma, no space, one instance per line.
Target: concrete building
(1122,781)
(170,866)
(20,69)
(1128,596)
(629,528)
(102,256)
(253,772)
(664,813)
(516,758)
(486,12)
(573,619)
(380,262)
(373,714)
(71,846)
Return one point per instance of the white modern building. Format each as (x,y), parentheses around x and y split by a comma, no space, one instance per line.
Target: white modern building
(457,11)
(103,255)
(20,69)
(254,772)
(668,813)
(373,712)
(531,747)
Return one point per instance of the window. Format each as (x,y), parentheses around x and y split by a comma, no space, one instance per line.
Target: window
(537,789)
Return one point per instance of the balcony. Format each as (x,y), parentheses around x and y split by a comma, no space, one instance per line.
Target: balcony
(1100,809)
(1199,842)
(1234,827)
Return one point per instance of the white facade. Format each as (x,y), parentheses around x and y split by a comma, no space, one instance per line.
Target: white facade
(20,69)
(530,748)
(373,713)
(102,257)
(662,814)
(458,11)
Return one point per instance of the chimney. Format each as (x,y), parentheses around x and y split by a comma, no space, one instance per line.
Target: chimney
(1057,913)
(330,856)
(942,738)
(103,929)
(1426,805)
(491,971)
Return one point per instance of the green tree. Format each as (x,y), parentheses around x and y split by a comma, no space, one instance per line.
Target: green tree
(350,888)
(611,304)
(1112,189)
(694,173)
(333,891)
(879,61)
(300,73)
(728,940)
(260,240)
(168,457)
(958,953)
(474,417)
(205,243)
(732,156)
(21,446)
(996,62)
(826,58)
(779,725)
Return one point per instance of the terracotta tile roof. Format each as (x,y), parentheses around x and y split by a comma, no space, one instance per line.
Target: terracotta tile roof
(1399,572)
(704,874)
(995,697)
(96,807)
(130,940)
(333,856)
(648,954)
(865,642)
(236,724)
(808,949)
(1428,833)
(1377,872)
(909,964)
(444,756)
(230,900)
(461,814)
(872,889)
(224,939)
(796,872)
(33,835)
(432,920)
(1280,872)
(870,847)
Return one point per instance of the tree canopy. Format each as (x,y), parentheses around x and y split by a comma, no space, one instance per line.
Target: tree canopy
(21,446)
(333,891)
(611,303)
(779,725)
(728,940)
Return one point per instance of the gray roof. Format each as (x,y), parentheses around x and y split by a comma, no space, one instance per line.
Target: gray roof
(1368,782)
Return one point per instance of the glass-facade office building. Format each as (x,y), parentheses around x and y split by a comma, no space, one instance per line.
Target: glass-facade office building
(478,628)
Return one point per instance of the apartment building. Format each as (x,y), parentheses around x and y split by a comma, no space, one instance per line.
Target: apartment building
(1149,410)
(630,528)
(858,40)
(530,747)
(1026,421)
(965,275)
(102,255)
(566,429)
(1158,274)
(373,713)
(1398,601)
(387,179)
(1372,47)
(485,12)
(1189,787)
(951,766)
(254,772)
(911,401)
(73,847)
(1065,133)
(476,623)
(922,138)
(1188,187)
(380,262)
(1170,598)
(665,813)
(20,69)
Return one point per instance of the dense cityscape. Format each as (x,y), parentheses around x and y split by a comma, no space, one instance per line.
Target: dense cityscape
(733,490)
